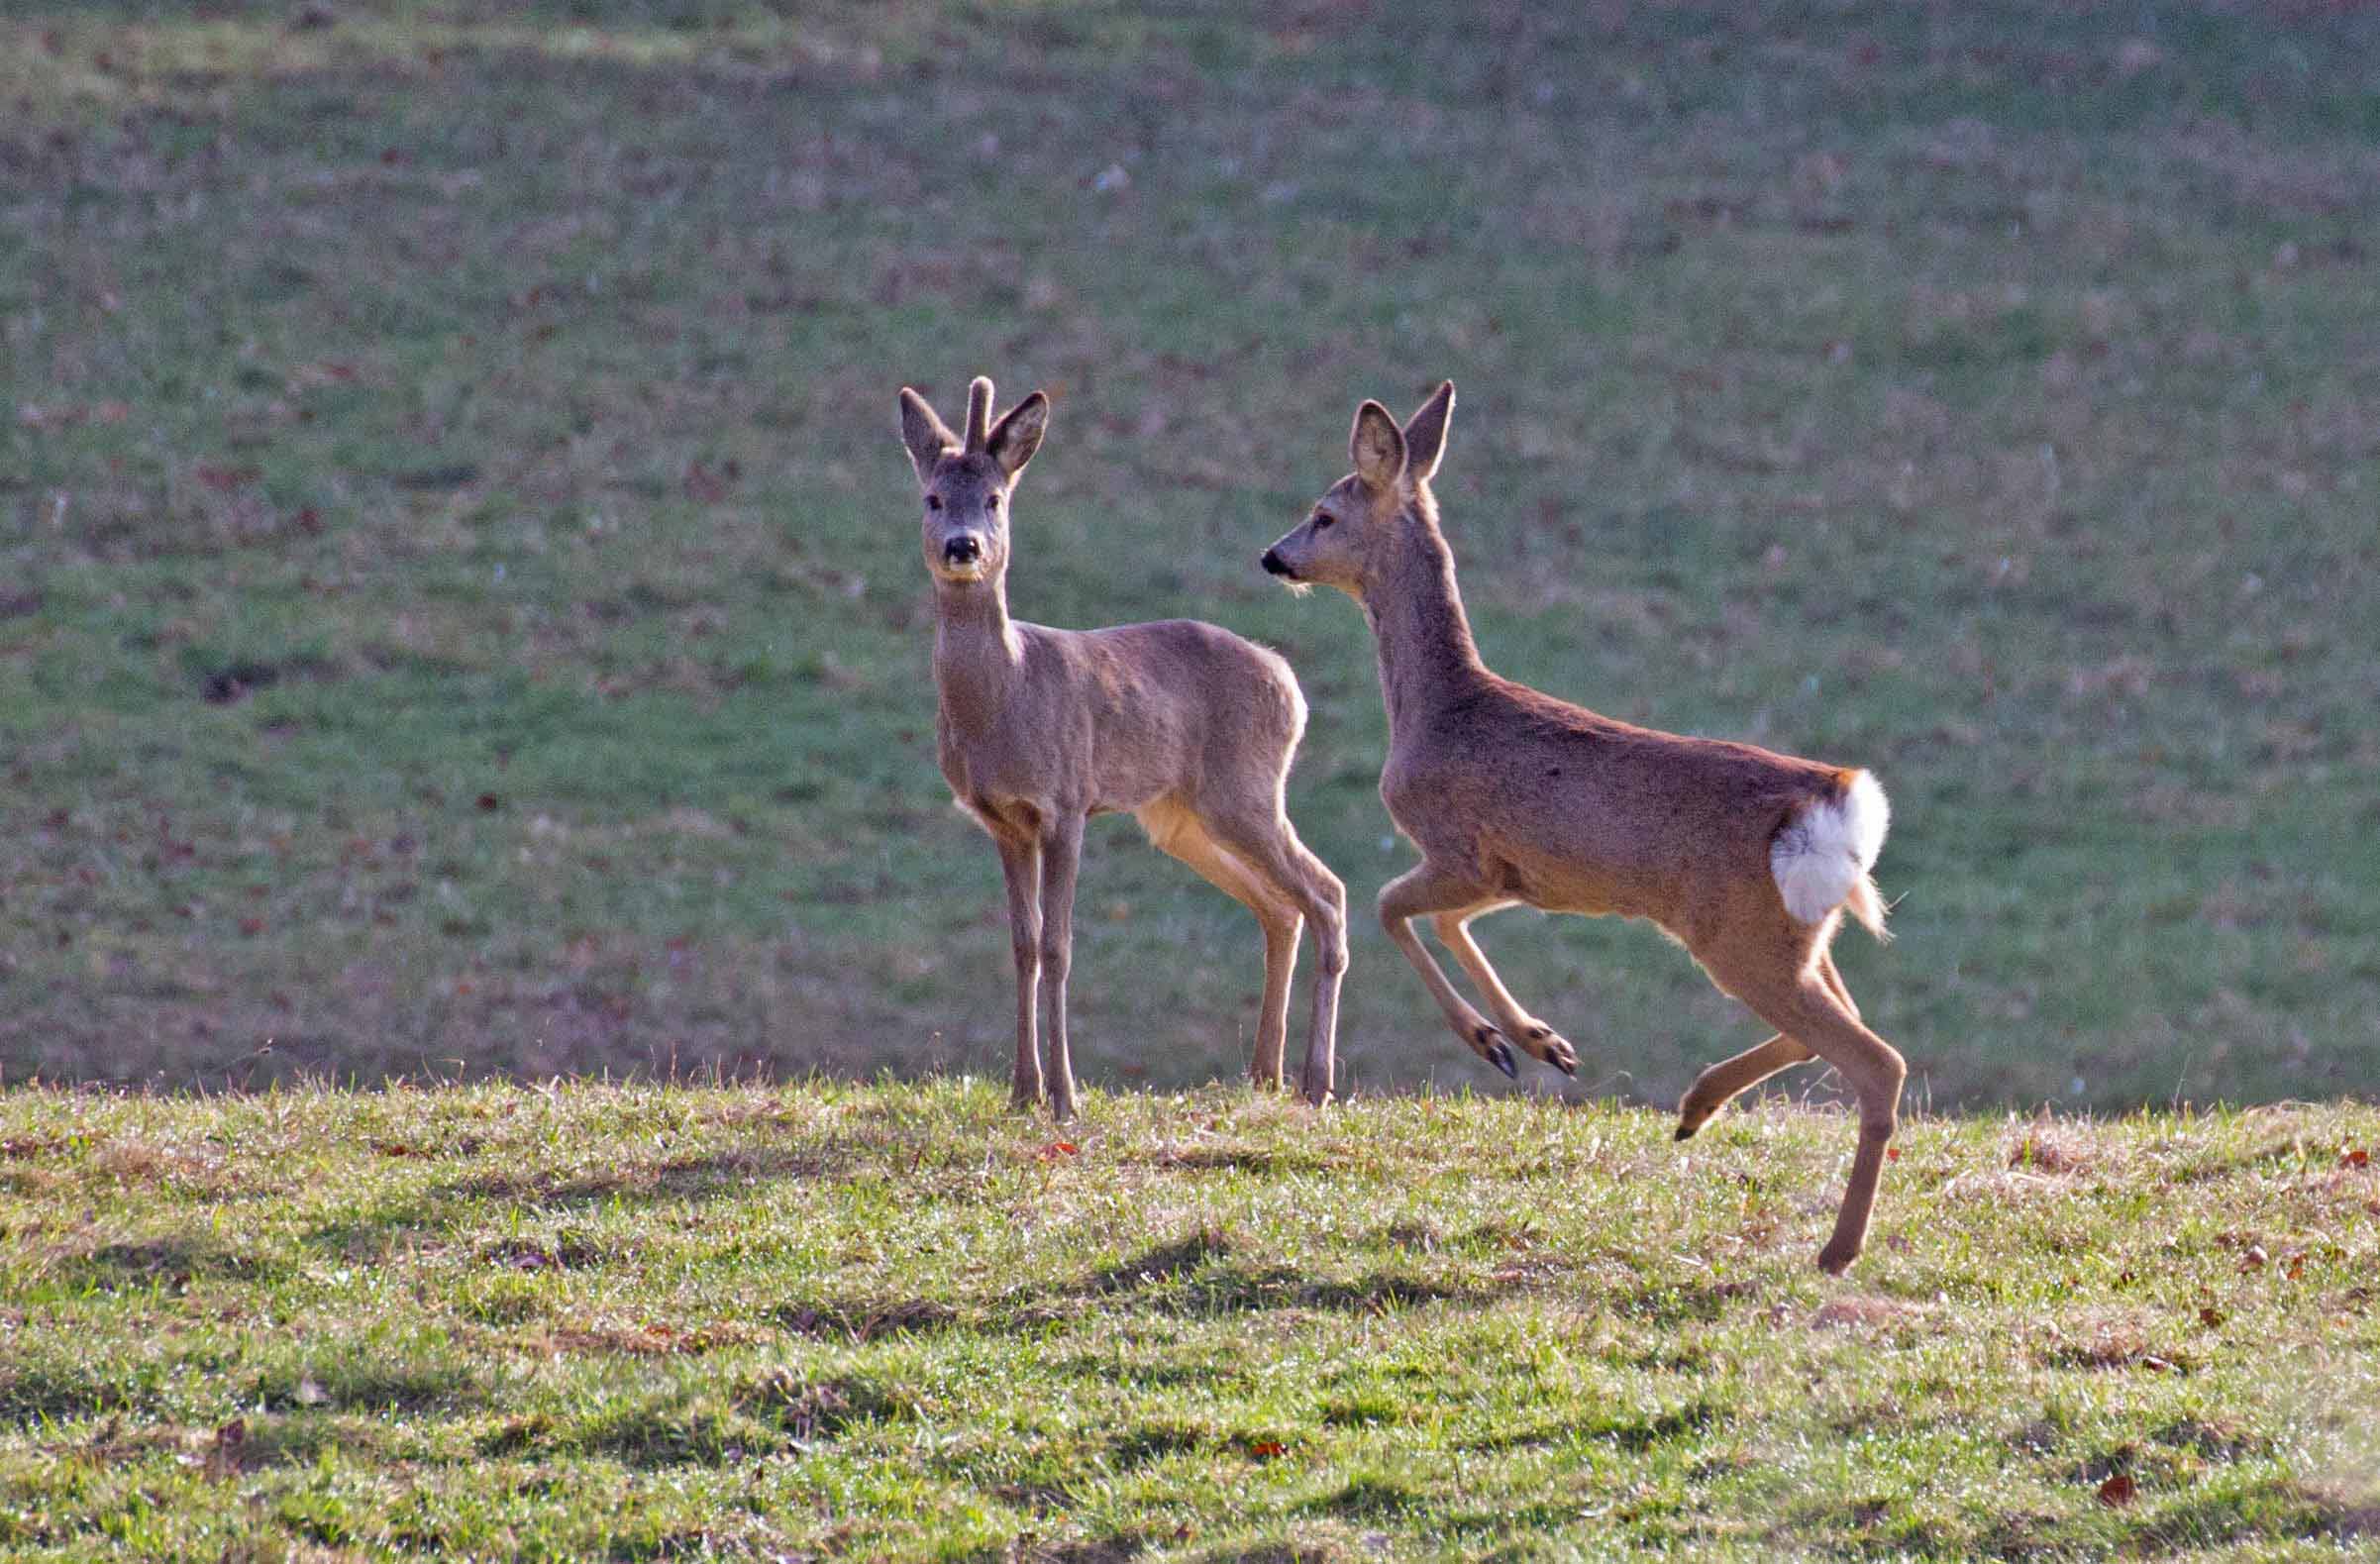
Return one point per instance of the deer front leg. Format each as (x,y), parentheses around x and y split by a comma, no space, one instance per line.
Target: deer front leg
(1020,864)
(1061,855)
(1536,1039)
(1422,889)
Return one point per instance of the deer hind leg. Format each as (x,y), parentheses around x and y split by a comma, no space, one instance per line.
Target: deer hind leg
(1729,1079)
(1060,856)
(1724,1081)
(1426,888)
(1177,832)
(1020,866)
(1261,837)
(1532,1036)
(1807,1006)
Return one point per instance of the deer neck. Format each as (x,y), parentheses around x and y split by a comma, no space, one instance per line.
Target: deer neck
(978,657)
(1428,657)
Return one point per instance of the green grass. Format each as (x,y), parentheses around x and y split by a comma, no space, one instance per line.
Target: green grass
(458,601)
(831,1321)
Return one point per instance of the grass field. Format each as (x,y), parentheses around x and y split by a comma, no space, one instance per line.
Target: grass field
(458,601)
(901,1321)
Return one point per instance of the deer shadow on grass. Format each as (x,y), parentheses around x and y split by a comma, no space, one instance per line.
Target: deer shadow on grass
(463,1203)
(711,1176)
(170,1263)
(1197,1275)
(1203,1274)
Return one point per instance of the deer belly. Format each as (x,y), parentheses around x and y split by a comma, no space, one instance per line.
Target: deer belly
(1555,884)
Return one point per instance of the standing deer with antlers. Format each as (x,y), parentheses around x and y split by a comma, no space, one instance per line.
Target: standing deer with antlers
(1184,725)
(1747,858)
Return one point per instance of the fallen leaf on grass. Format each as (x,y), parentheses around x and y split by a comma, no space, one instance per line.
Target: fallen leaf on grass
(308,377)
(2117,1491)
(1056,1150)
(707,484)
(2136,54)
(223,1457)
(41,419)
(1267,1449)
(2356,1157)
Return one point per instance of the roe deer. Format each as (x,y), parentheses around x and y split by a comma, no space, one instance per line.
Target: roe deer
(1186,725)
(1746,858)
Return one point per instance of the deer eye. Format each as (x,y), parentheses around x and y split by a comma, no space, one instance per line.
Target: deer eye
(933,502)
(991,502)
(1323,519)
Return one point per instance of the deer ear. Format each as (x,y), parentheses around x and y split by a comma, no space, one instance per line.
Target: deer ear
(1425,434)
(928,438)
(1017,435)
(1377,447)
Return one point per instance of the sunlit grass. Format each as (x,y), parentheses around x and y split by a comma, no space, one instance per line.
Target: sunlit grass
(904,1321)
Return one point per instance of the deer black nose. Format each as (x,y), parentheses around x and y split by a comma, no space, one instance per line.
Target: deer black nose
(962,550)
(1272,562)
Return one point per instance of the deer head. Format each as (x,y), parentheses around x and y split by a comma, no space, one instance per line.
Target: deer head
(1351,525)
(967,482)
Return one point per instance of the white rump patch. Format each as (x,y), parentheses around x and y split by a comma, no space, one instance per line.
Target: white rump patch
(1822,854)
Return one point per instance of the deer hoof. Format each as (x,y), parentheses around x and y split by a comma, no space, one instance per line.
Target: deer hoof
(1541,1042)
(1835,1259)
(1692,1115)
(1499,1054)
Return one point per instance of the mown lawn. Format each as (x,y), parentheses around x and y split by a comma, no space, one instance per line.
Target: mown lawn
(459,599)
(831,1321)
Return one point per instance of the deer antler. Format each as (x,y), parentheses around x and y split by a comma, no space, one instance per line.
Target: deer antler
(979,412)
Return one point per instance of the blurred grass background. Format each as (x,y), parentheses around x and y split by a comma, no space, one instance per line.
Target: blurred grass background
(459,599)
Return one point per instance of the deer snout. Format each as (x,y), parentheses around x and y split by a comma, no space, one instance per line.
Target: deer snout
(1274,564)
(962,548)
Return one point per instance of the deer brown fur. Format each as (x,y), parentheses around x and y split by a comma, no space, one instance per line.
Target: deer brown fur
(1184,725)
(1748,859)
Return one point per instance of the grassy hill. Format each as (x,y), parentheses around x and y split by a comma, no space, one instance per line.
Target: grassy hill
(830,1320)
(458,603)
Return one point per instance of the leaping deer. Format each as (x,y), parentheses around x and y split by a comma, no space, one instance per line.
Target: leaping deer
(1186,725)
(1747,858)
